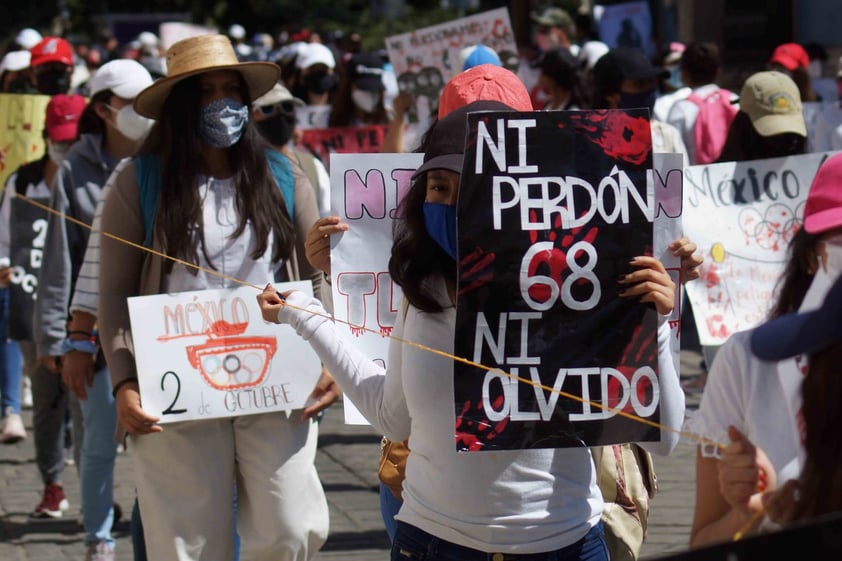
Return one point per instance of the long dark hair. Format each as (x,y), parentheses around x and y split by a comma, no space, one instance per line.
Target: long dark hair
(798,273)
(415,255)
(821,477)
(259,201)
(89,121)
(744,143)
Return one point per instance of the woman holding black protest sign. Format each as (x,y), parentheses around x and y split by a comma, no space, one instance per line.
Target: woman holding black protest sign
(546,501)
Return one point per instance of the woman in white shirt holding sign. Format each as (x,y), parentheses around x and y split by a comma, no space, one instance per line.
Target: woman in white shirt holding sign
(513,504)
(754,405)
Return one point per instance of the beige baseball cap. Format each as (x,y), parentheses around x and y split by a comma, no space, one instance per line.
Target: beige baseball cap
(772,101)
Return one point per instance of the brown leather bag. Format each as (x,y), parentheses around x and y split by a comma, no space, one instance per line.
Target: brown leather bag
(393,464)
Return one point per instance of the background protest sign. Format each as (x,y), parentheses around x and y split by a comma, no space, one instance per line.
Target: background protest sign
(312,116)
(552,208)
(343,140)
(426,59)
(20,134)
(365,192)
(208,354)
(626,25)
(742,215)
(668,177)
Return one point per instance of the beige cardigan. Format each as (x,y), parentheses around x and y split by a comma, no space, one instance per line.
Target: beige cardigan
(127,271)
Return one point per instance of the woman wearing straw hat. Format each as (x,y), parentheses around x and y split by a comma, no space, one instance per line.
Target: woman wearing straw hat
(218,207)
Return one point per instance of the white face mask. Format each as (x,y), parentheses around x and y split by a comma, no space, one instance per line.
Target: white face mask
(364,100)
(130,124)
(57,150)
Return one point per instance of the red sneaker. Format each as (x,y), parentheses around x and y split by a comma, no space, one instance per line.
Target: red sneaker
(53,503)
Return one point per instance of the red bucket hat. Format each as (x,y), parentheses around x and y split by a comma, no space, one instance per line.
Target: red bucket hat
(486,82)
(823,210)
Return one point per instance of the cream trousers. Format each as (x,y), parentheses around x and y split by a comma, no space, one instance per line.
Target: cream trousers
(185,478)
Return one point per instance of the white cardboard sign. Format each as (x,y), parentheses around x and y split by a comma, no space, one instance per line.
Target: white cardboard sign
(209,354)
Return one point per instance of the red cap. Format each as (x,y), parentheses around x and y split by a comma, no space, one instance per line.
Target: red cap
(63,113)
(790,56)
(823,210)
(51,49)
(486,82)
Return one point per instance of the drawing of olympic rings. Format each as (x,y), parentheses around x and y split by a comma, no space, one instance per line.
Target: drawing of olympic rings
(213,367)
(771,230)
(252,365)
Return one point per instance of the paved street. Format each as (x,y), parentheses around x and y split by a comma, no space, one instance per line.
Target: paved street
(347,462)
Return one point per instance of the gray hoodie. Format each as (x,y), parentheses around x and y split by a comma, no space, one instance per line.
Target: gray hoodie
(83,174)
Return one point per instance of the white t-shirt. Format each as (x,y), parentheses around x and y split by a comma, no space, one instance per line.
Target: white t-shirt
(746,392)
(229,255)
(518,501)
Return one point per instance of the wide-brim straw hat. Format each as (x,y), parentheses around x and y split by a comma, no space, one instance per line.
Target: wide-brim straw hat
(204,53)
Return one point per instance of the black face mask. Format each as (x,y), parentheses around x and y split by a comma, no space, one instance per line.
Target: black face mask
(52,82)
(276,130)
(319,82)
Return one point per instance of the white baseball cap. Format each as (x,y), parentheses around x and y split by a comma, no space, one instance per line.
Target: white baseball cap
(314,53)
(278,94)
(14,61)
(28,38)
(591,52)
(237,31)
(123,76)
(148,39)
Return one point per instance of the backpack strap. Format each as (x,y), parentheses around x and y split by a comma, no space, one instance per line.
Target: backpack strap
(148,176)
(282,172)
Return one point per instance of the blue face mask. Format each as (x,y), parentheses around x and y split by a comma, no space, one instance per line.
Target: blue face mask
(221,122)
(440,221)
(637,100)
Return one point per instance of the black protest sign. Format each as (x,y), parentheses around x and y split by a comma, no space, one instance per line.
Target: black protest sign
(28,231)
(552,208)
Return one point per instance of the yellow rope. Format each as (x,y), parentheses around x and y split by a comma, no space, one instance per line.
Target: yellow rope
(690,436)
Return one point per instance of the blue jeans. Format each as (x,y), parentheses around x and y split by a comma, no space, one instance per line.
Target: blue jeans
(412,544)
(99,451)
(11,361)
(389,507)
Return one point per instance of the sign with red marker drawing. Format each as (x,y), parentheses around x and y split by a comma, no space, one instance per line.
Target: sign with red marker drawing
(366,190)
(742,215)
(208,354)
(553,206)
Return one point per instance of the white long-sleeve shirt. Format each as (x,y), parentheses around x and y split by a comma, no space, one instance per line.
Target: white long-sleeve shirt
(513,501)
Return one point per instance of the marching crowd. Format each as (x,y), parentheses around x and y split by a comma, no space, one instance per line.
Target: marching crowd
(194,152)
